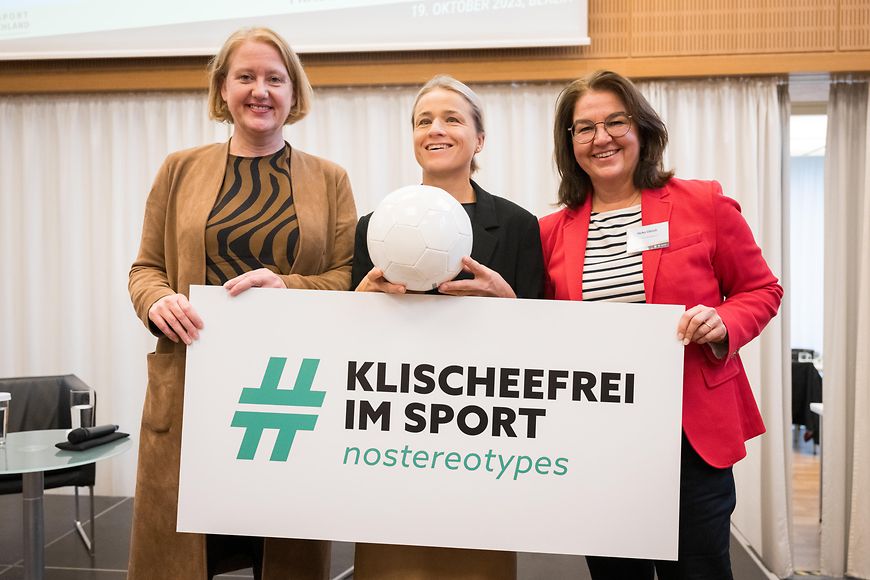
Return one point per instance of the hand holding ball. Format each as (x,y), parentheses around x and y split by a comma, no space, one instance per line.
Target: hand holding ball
(418,236)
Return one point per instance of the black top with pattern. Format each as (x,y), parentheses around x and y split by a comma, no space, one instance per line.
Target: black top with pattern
(253,223)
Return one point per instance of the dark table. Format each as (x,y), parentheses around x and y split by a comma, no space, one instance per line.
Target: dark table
(806,388)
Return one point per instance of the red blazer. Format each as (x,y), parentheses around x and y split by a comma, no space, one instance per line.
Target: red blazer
(713,260)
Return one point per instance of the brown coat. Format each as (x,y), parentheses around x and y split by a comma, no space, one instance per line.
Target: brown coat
(171,258)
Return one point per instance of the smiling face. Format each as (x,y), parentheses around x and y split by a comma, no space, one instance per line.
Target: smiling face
(258,93)
(445,136)
(608,161)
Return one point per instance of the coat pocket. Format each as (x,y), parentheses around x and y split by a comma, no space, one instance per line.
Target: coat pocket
(684,242)
(717,375)
(164,381)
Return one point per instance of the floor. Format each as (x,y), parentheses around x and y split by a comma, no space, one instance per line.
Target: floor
(67,559)
(806,468)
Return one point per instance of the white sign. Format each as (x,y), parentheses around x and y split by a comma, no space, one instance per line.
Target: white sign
(525,425)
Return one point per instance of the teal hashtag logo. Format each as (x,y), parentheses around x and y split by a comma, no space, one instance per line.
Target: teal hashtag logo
(287,424)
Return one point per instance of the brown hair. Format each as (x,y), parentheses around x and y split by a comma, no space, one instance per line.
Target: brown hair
(652,135)
(449,83)
(218,68)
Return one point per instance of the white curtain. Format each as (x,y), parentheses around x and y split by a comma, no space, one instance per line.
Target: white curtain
(731,131)
(75,171)
(845,428)
(74,174)
(368,132)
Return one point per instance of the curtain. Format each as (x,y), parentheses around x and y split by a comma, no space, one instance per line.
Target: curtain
(74,174)
(75,171)
(779,535)
(368,132)
(731,130)
(845,429)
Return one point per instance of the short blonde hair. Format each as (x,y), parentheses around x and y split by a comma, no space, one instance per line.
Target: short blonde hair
(218,68)
(449,83)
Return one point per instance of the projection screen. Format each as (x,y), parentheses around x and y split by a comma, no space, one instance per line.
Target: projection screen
(50,29)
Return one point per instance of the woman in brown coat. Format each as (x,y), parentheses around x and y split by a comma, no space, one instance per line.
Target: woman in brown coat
(252,212)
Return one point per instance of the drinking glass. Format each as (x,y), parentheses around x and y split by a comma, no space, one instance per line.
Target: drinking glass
(4,416)
(81,408)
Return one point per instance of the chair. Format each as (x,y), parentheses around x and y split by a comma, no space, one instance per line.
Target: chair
(44,403)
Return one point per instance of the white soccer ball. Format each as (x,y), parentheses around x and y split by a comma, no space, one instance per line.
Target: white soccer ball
(418,235)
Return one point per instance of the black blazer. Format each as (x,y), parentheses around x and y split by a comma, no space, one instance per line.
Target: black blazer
(506,239)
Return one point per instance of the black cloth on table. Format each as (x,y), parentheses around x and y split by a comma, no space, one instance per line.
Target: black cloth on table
(806,388)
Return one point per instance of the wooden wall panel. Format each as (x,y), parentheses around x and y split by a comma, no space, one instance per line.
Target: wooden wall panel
(855,25)
(702,27)
(608,22)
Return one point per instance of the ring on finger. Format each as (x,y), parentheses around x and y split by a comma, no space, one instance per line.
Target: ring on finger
(707,324)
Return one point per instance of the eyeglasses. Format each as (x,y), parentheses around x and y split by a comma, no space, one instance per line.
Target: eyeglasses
(616,125)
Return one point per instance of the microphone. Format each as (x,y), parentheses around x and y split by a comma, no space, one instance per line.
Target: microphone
(86,433)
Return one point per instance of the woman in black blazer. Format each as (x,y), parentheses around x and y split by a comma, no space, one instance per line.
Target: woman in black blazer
(506,259)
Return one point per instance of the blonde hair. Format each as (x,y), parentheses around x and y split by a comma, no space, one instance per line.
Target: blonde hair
(218,68)
(449,83)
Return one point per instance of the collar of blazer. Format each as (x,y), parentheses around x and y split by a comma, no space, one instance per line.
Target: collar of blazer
(655,208)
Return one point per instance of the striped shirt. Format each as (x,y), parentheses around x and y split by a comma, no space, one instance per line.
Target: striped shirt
(609,271)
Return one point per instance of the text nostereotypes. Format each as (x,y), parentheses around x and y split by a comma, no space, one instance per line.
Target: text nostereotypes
(497,464)
(287,424)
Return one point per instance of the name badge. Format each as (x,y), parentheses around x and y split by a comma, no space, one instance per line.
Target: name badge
(647,237)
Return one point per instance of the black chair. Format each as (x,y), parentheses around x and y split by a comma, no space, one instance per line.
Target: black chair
(44,403)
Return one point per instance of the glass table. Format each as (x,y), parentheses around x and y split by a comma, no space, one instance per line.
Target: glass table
(31,454)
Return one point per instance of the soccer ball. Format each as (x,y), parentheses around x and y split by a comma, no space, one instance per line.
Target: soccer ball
(418,235)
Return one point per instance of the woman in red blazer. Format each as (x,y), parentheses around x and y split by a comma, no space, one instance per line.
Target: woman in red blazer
(700,253)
